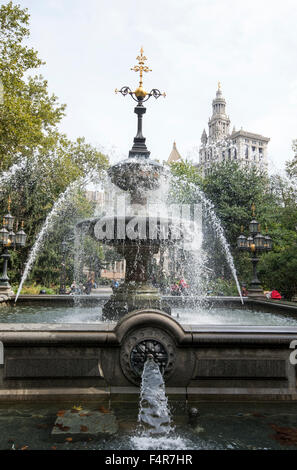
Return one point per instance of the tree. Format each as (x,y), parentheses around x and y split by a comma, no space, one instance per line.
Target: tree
(29,133)
(28,115)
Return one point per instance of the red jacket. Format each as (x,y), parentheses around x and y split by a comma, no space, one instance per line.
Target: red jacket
(275,295)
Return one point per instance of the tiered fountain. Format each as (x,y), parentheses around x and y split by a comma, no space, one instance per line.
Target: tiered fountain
(138,236)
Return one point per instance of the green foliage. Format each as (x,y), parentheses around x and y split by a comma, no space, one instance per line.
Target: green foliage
(29,115)
(29,119)
(232,190)
(222,286)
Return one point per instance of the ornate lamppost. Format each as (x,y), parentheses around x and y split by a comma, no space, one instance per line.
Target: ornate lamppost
(63,268)
(256,243)
(8,240)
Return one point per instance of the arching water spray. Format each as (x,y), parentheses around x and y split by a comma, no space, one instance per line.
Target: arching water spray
(47,224)
(216,224)
(6,176)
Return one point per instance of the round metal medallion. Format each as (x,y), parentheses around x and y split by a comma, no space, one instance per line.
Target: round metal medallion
(139,344)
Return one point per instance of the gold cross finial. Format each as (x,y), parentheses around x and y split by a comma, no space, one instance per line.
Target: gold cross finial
(219,85)
(141,67)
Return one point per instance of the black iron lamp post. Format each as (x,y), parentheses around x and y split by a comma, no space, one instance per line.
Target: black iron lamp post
(63,268)
(9,239)
(256,243)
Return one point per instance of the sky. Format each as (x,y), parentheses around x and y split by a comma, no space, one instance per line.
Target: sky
(89,47)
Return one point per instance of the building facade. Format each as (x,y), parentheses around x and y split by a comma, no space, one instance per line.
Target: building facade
(220,145)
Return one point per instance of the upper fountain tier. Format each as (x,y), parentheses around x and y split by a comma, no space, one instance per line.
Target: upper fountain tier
(137,174)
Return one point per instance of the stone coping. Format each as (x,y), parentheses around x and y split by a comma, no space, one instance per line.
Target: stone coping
(110,327)
(131,394)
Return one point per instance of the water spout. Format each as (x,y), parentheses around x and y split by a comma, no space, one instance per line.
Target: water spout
(156,430)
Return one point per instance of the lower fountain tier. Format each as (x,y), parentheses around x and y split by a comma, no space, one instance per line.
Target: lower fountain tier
(133,296)
(137,291)
(137,239)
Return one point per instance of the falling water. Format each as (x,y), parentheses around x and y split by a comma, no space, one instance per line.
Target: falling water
(217,226)
(47,225)
(6,176)
(155,427)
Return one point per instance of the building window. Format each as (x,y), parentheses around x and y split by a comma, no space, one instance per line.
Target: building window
(235,154)
(246,152)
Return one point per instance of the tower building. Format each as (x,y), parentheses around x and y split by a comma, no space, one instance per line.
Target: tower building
(247,148)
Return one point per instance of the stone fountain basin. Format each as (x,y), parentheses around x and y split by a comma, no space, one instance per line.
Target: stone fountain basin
(138,173)
(92,361)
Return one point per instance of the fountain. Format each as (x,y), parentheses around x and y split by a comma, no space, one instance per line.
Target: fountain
(204,355)
(138,236)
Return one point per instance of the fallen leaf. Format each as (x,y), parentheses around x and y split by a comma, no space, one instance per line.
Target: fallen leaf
(284,435)
(78,408)
(24,448)
(62,427)
(42,426)
(54,448)
(68,439)
(103,409)
(84,428)
(85,414)
(61,413)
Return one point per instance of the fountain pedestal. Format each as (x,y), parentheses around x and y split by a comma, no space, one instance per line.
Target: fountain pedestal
(137,292)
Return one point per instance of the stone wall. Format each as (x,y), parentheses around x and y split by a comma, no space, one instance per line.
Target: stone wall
(60,362)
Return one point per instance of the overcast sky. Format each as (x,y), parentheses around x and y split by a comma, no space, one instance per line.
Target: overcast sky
(249,46)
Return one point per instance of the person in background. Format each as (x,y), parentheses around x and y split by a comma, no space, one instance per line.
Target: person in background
(275,295)
(88,286)
(244,291)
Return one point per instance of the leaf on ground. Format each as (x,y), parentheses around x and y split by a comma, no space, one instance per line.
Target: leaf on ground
(61,413)
(42,426)
(258,415)
(85,414)
(62,427)
(68,439)
(103,409)
(24,447)
(84,428)
(54,448)
(284,435)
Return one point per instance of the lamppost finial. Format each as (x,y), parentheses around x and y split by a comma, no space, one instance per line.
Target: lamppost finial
(253,207)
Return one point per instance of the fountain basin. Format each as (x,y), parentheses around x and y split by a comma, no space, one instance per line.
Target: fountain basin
(93,361)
